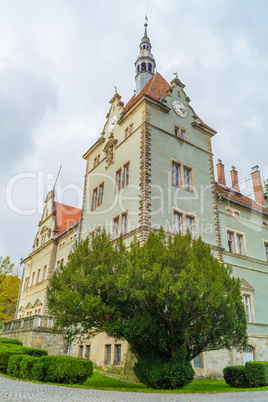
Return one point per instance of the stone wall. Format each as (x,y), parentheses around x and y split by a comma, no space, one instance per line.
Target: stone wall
(39,338)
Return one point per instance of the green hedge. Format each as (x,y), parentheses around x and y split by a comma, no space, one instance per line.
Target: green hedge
(257,373)
(62,369)
(35,352)
(7,350)
(235,376)
(13,367)
(26,366)
(9,340)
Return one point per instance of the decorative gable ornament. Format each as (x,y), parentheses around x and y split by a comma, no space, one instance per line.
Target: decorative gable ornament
(109,150)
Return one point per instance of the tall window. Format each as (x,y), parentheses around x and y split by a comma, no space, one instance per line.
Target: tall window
(108,349)
(33,278)
(183,221)
(88,352)
(38,275)
(118,354)
(230,241)
(246,301)
(190,225)
(177,222)
(182,176)
(120,225)
(175,174)
(187,178)
(97,196)
(236,242)
(198,361)
(81,351)
(96,160)
(116,228)
(266,251)
(122,177)
(239,240)
(45,272)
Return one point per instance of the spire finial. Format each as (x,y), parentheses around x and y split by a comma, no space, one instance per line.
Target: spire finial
(145,25)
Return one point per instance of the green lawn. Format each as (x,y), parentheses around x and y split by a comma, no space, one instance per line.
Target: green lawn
(100,381)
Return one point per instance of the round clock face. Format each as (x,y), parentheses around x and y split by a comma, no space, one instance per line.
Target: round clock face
(112,124)
(179,108)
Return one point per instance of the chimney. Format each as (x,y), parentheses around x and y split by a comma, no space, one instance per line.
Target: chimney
(234,178)
(257,185)
(220,171)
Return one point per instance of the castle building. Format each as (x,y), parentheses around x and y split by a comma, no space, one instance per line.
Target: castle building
(153,166)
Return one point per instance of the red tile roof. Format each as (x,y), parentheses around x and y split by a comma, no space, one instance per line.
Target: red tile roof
(156,87)
(235,196)
(66,217)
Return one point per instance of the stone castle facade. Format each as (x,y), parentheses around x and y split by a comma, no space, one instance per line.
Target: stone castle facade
(152,166)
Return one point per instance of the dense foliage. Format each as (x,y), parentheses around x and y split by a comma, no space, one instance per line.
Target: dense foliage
(13,367)
(10,340)
(35,352)
(9,290)
(257,373)
(169,298)
(235,376)
(26,366)
(7,350)
(62,369)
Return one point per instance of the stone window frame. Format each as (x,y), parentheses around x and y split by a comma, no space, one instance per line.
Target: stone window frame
(119,217)
(180,132)
(38,276)
(235,244)
(26,283)
(129,130)
(265,246)
(247,291)
(94,232)
(59,261)
(233,212)
(96,190)
(184,215)
(201,365)
(106,348)
(182,166)
(44,272)
(96,160)
(121,169)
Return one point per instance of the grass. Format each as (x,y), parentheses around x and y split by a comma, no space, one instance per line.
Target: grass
(102,382)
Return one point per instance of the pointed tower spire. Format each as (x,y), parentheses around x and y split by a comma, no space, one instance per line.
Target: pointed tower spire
(145,62)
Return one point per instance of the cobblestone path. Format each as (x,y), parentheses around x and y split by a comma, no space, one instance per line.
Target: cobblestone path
(20,391)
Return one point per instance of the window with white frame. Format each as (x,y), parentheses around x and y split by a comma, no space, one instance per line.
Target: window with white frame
(236,242)
(97,196)
(180,132)
(266,250)
(182,176)
(122,177)
(246,301)
(120,224)
(184,221)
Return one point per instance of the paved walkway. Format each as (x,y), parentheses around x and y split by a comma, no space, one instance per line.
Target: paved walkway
(20,391)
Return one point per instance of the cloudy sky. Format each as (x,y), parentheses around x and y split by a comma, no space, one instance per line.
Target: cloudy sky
(60,60)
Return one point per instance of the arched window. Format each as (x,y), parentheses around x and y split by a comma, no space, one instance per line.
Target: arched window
(138,68)
(248,354)
(143,66)
(150,67)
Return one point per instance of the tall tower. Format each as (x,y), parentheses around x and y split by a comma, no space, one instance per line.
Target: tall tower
(145,63)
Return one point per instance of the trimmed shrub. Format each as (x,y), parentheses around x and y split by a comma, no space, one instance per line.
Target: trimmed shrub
(9,340)
(35,352)
(13,367)
(63,369)
(38,370)
(26,366)
(7,350)
(235,376)
(257,373)
(157,373)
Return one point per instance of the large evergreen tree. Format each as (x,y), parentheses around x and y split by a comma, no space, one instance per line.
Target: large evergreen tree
(169,298)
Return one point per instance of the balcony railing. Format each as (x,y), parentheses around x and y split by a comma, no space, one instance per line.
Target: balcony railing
(34,321)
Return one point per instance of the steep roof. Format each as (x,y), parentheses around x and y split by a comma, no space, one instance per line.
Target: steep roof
(66,217)
(156,87)
(235,196)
